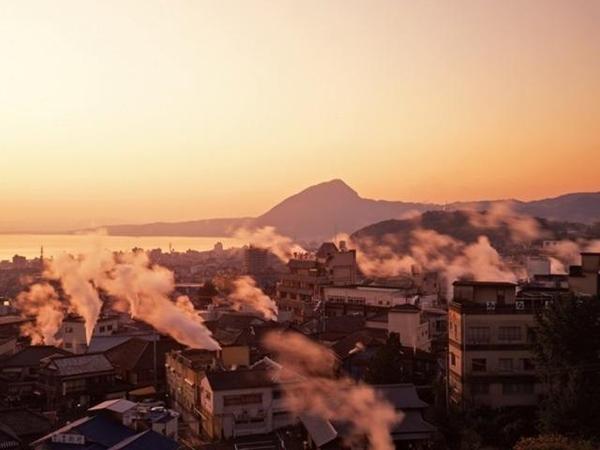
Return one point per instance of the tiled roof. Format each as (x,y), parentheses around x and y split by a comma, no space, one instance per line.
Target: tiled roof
(24,422)
(81,364)
(102,433)
(31,356)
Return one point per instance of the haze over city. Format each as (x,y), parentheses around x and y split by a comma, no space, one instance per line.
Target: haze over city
(300,225)
(130,112)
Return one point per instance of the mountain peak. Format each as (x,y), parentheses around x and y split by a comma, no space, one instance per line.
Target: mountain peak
(335,187)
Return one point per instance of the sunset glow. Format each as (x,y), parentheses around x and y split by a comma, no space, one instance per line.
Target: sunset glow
(137,111)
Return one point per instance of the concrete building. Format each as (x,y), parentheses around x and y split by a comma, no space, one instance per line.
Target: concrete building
(255,260)
(362,300)
(242,402)
(490,362)
(299,291)
(72,331)
(184,371)
(585,279)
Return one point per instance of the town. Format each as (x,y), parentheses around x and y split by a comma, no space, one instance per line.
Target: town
(456,361)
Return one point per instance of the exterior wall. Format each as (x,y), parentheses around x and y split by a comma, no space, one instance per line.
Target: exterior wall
(587,284)
(242,412)
(408,326)
(489,359)
(235,356)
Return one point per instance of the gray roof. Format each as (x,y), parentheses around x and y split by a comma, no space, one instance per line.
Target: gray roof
(321,430)
(402,396)
(81,364)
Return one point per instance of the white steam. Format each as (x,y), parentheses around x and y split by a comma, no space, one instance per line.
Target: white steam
(320,394)
(247,293)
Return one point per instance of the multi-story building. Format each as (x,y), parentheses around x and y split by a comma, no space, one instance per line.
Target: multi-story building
(363,300)
(299,291)
(490,362)
(255,260)
(184,371)
(73,336)
(585,279)
(242,402)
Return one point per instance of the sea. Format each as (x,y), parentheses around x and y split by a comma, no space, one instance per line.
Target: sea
(29,245)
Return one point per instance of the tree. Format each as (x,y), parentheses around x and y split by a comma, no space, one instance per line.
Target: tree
(566,344)
(386,366)
(553,442)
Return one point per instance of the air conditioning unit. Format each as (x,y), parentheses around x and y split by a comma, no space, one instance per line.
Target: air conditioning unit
(519,305)
(490,306)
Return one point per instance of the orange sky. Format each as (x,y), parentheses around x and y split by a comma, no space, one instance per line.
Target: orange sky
(131,111)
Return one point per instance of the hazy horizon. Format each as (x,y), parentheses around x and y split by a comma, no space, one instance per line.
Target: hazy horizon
(135,112)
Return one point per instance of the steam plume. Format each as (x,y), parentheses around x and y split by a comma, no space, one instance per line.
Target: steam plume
(41,302)
(318,393)
(137,287)
(267,237)
(247,293)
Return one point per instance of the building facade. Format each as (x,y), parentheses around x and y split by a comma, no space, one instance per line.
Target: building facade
(490,362)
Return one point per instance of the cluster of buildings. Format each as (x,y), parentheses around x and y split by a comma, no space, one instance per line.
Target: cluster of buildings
(128,387)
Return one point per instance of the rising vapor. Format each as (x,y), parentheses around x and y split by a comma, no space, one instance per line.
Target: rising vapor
(247,294)
(317,392)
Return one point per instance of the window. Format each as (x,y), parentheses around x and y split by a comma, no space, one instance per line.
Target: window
(527,364)
(478,335)
(505,364)
(452,359)
(68,345)
(277,393)
(480,388)
(500,296)
(517,388)
(509,334)
(478,364)
(68,330)
(102,329)
(246,399)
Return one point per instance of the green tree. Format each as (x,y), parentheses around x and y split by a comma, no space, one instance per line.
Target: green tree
(566,344)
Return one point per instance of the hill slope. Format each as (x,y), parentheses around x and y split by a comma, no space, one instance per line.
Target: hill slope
(324,209)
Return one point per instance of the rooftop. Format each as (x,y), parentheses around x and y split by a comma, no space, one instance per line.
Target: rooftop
(484,283)
(31,356)
(240,379)
(80,364)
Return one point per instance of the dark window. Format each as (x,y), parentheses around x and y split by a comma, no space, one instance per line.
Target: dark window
(452,359)
(509,334)
(517,388)
(478,335)
(528,364)
(480,388)
(478,365)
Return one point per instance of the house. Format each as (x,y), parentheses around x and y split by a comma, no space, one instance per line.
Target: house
(72,332)
(100,432)
(75,382)
(242,402)
(413,432)
(140,362)
(19,374)
(140,416)
(23,425)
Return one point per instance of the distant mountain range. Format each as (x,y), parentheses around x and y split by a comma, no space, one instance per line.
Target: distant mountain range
(320,211)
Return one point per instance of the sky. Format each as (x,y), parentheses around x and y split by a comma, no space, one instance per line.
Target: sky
(134,111)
